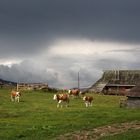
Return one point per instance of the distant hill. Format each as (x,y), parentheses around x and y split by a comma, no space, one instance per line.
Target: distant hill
(7,83)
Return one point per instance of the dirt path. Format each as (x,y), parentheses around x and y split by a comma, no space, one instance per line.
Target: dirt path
(94,134)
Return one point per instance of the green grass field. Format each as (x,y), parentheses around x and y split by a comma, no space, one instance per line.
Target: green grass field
(37,118)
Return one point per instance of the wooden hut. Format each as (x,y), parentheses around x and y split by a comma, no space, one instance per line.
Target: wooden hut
(133,100)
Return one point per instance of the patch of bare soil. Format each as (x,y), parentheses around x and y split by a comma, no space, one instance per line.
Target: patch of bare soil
(96,133)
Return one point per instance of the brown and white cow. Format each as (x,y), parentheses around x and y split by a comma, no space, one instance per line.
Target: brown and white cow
(15,95)
(74,92)
(88,100)
(61,98)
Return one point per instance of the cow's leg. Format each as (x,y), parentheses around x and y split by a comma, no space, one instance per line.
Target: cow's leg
(86,104)
(78,96)
(67,104)
(90,103)
(12,98)
(17,99)
(62,102)
(59,103)
(73,96)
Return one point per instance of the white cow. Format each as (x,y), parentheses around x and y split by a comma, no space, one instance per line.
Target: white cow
(88,100)
(61,98)
(15,95)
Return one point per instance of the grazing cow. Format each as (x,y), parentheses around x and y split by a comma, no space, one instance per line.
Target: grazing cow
(61,98)
(88,100)
(15,95)
(74,92)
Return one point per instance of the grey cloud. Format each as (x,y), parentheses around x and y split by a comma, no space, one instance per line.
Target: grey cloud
(27,71)
(104,64)
(132,50)
(62,71)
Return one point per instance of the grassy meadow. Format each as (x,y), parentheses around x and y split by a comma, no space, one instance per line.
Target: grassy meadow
(36,116)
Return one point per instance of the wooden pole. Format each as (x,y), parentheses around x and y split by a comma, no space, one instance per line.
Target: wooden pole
(17,86)
(78,81)
(118,75)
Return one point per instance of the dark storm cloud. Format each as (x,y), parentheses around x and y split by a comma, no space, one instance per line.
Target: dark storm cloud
(30,23)
(28,27)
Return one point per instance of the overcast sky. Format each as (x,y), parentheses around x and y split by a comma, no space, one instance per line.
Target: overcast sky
(52,40)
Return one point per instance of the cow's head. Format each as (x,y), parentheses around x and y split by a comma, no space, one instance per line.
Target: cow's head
(18,93)
(69,91)
(55,97)
(84,98)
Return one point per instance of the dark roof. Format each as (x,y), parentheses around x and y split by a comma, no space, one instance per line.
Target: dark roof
(135,91)
(119,85)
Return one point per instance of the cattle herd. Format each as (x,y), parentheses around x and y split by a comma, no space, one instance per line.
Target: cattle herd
(62,98)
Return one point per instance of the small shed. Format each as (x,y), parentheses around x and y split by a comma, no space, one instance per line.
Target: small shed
(133,98)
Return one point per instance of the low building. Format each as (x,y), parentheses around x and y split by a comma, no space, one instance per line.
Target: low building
(32,86)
